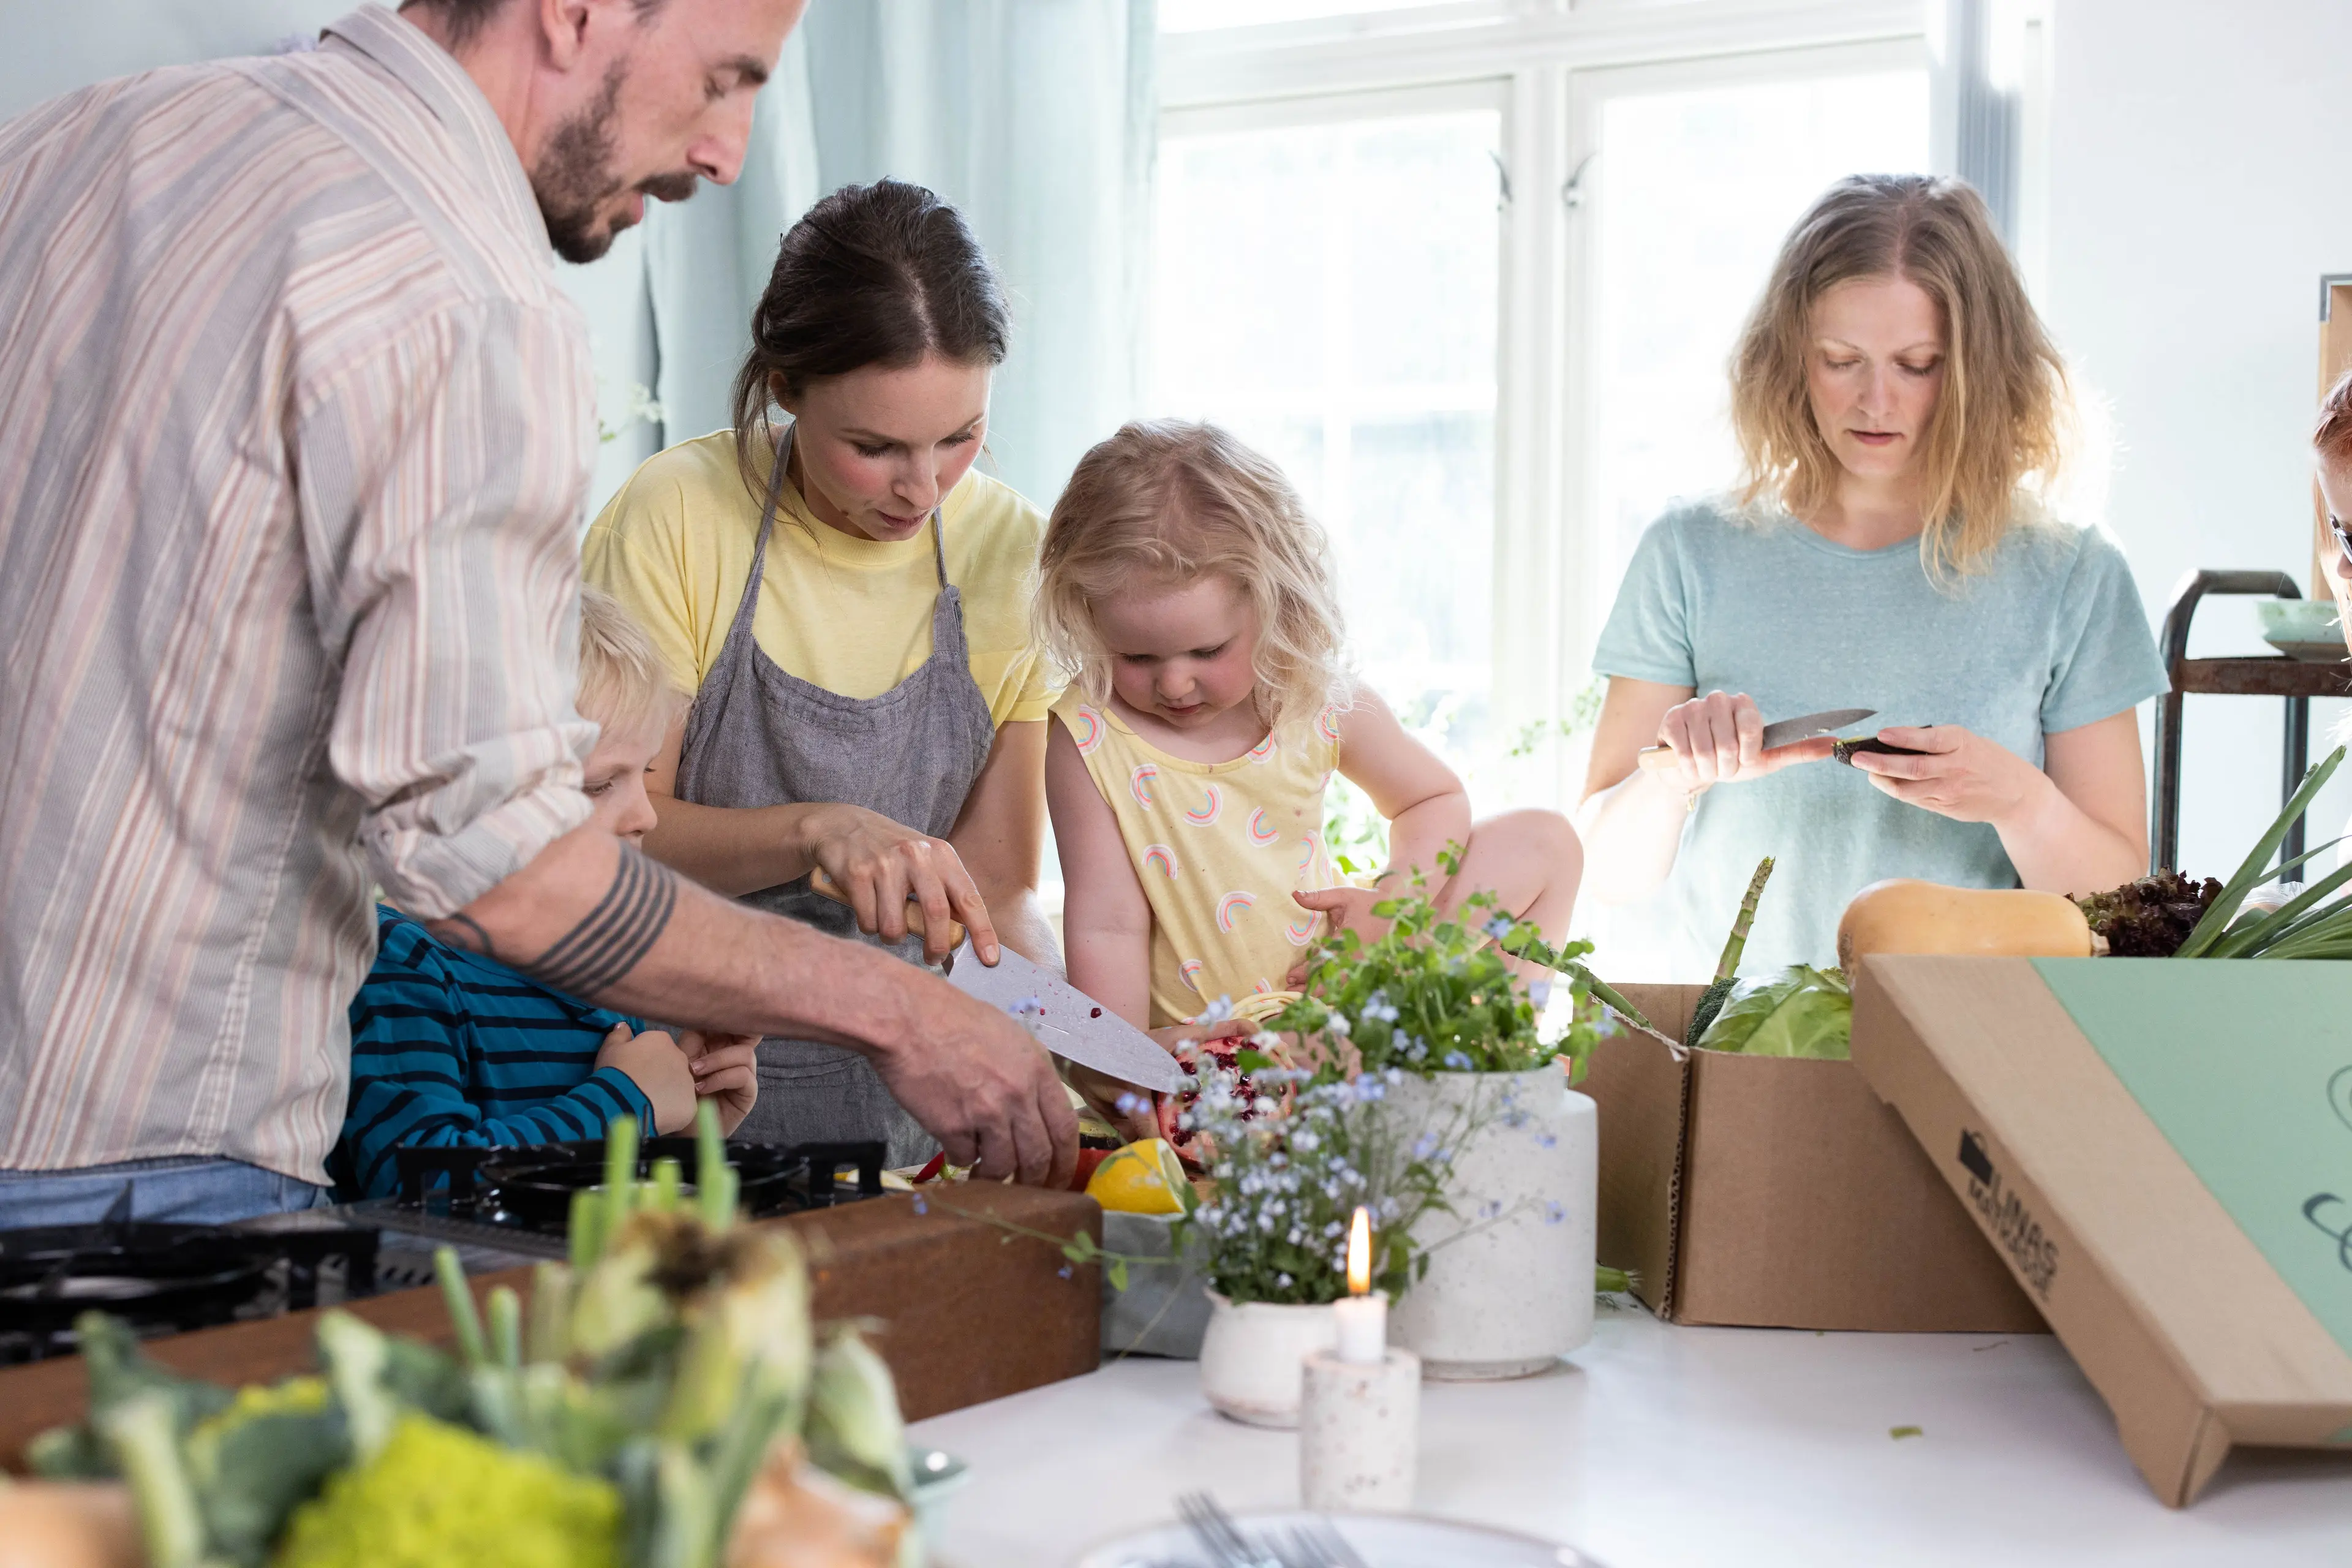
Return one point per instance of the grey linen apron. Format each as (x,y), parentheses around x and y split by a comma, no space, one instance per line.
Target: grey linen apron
(757,735)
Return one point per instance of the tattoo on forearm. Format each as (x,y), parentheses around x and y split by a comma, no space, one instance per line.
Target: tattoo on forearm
(620,930)
(464,930)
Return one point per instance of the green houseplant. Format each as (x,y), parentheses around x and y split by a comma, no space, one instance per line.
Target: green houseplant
(1441,1008)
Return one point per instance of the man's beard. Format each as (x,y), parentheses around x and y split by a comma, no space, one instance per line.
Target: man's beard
(574,178)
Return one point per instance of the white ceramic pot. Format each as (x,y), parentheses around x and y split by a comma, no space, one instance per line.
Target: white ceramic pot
(1509,1287)
(1252,1357)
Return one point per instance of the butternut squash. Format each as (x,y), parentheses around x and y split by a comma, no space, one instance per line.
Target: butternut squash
(1909,916)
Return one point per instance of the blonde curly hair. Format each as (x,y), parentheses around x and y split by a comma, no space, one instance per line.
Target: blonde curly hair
(2000,428)
(1168,502)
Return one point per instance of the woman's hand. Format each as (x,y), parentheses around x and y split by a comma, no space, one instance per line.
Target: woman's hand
(882,864)
(726,1072)
(1720,737)
(1960,775)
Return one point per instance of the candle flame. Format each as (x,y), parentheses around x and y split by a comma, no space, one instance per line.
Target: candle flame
(1360,1253)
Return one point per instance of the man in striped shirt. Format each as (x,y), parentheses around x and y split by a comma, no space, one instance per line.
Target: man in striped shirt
(295,428)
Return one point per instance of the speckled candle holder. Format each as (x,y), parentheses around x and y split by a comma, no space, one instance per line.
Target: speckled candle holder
(1359,1432)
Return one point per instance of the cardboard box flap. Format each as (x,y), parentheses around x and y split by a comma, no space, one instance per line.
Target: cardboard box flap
(2193,1336)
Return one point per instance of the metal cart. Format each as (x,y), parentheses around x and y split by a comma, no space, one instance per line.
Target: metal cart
(2273,675)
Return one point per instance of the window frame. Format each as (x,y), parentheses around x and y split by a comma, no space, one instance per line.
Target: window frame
(1549,64)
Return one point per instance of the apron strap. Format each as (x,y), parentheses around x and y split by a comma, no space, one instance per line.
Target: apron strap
(940,546)
(751,602)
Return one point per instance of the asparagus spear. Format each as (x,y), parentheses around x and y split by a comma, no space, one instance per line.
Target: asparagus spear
(1710,1001)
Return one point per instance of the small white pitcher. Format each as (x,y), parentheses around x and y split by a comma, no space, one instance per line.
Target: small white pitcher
(1254,1356)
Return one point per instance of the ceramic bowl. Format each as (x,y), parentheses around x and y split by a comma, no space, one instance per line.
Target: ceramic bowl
(2299,621)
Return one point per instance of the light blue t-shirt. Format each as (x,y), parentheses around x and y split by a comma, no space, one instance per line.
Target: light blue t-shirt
(2047,637)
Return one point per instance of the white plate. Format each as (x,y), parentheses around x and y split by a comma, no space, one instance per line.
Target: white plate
(1383,1540)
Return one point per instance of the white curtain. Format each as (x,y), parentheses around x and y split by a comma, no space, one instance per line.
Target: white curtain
(1035,117)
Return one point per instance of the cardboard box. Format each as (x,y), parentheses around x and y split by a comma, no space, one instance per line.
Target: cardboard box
(1777,1193)
(965,1311)
(2161,1150)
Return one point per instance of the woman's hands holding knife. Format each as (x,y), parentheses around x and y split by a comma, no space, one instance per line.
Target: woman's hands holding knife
(1720,737)
(1957,773)
(880,867)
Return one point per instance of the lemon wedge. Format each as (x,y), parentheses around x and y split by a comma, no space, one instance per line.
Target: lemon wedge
(1145,1177)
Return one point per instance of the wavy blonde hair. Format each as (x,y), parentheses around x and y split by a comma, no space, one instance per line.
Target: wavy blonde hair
(623,686)
(2003,420)
(1168,502)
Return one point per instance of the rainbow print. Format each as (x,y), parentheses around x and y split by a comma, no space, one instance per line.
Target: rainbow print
(1306,853)
(1230,908)
(1261,830)
(1327,724)
(1262,751)
(1139,784)
(1162,857)
(1086,730)
(1189,971)
(1212,805)
(1302,930)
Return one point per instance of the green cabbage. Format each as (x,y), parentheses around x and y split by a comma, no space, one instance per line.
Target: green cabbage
(1799,1011)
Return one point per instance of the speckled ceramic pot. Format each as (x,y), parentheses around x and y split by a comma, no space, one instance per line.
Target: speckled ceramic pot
(1509,1287)
(1252,1357)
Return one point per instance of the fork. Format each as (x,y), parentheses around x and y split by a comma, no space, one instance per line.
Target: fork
(1318,1544)
(1219,1536)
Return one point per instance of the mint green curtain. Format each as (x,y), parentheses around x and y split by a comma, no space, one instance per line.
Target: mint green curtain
(1035,117)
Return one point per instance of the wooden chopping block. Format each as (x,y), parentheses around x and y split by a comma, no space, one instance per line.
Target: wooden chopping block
(964,1310)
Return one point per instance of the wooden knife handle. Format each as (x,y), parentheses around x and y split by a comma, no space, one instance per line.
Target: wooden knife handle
(1654,759)
(820,882)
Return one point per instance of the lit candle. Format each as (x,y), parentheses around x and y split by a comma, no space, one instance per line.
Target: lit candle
(1363,1317)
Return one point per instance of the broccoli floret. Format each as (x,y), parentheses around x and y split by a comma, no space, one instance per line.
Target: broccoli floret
(437,1496)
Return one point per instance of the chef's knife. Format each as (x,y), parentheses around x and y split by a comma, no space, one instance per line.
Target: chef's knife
(1778,734)
(1068,1020)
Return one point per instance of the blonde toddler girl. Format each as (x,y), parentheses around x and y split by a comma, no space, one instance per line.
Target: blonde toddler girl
(1190,597)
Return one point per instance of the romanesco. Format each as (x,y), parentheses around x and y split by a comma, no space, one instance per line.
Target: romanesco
(440,1497)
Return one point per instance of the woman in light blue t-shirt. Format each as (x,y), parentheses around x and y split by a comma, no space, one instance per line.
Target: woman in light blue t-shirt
(1899,409)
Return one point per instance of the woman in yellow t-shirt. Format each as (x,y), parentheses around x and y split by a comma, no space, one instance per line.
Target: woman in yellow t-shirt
(847,602)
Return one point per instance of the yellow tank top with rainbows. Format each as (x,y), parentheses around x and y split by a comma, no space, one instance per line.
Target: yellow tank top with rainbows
(1218,847)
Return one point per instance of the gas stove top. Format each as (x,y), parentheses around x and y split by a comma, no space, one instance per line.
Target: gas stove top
(168,1279)
(504,1206)
(500,1208)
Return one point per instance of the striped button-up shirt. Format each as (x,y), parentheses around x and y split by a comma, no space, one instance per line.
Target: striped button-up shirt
(295,431)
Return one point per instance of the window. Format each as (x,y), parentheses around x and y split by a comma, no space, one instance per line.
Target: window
(1471,274)
(1696,186)
(1328,291)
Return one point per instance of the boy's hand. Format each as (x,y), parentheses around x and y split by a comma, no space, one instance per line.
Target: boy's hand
(653,1062)
(726,1072)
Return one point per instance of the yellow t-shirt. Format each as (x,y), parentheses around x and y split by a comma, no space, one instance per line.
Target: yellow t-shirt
(852,615)
(1219,848)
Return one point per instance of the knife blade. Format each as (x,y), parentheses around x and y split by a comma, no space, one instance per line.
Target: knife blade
(1071,1022)
(1068,1020)
(1780,732)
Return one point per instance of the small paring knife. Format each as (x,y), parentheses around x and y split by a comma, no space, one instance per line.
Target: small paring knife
(1065,1020)
(1781,733)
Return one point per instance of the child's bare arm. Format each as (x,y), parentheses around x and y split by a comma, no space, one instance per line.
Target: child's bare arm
(1424,801)
(1106,923)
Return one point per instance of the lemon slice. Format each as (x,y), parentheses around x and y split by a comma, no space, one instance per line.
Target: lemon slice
(1145,1177)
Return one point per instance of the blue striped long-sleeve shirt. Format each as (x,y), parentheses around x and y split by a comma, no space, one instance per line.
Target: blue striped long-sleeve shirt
(452,1049)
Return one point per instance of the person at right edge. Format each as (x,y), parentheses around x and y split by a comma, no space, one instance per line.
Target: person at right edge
(297,427)
(1901,414)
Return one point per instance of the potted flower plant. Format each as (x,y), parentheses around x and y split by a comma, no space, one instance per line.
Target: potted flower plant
(1438,1007)
(1294,1150)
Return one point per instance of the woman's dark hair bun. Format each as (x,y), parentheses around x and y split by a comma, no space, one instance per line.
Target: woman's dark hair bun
(884,274)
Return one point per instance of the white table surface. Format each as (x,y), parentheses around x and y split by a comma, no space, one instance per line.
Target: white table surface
(1657,1445)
